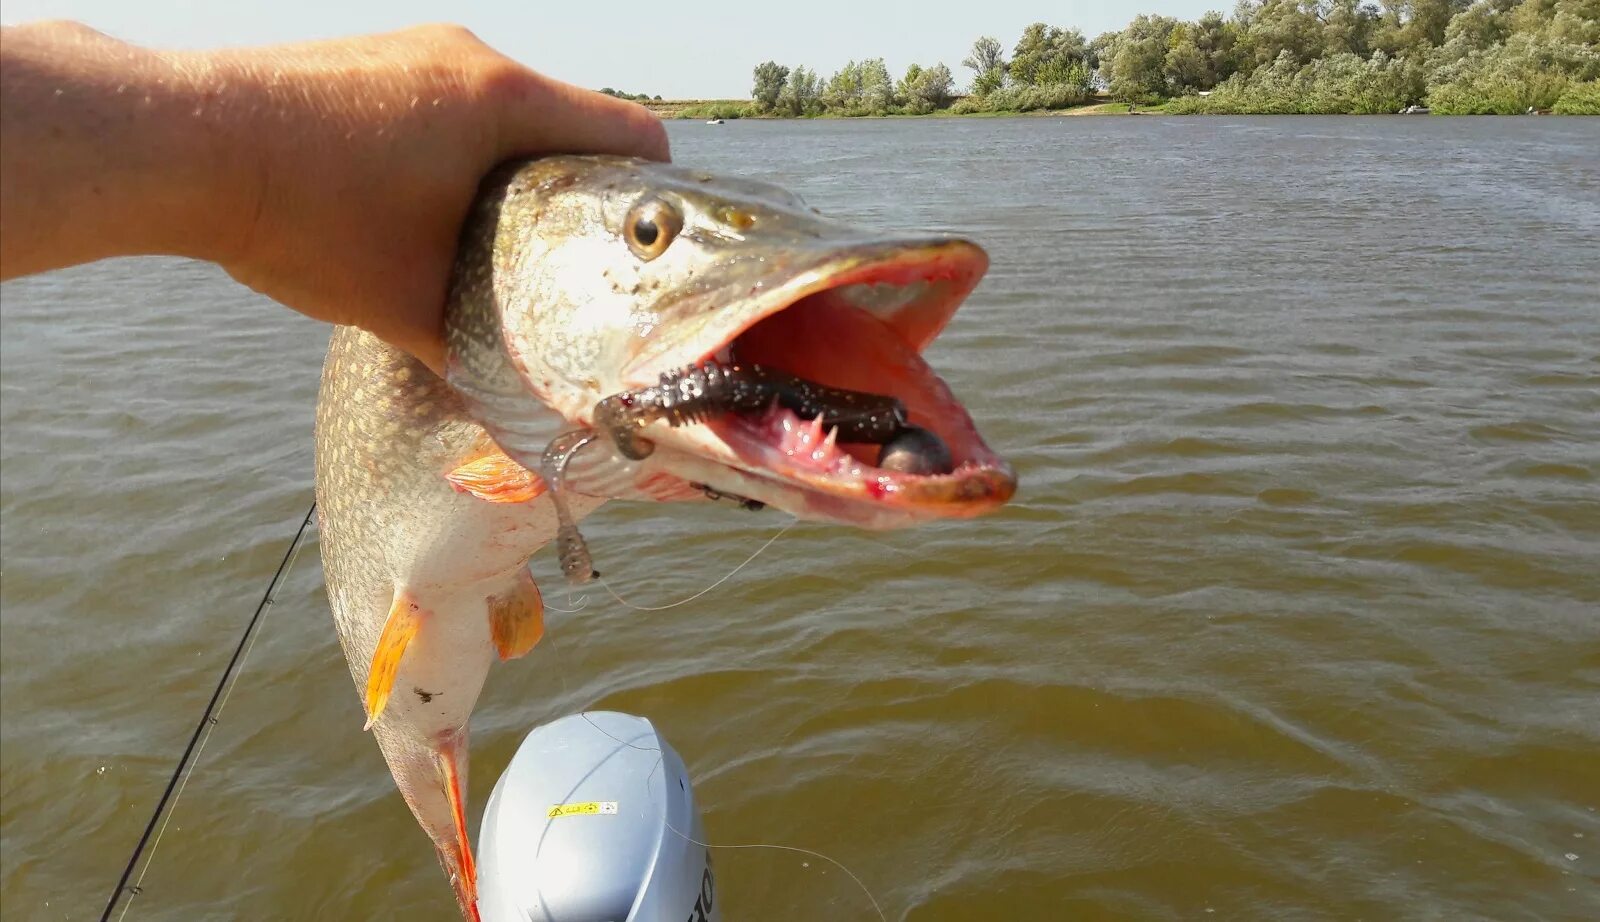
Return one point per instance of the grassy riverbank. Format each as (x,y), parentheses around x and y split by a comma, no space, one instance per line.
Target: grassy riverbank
(737,108)
(1581,99)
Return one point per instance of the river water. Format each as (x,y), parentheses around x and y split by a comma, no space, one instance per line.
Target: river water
(1296,614)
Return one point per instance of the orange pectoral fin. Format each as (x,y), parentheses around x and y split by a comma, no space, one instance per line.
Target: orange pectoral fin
(516,619)
(497,479)
(405,619)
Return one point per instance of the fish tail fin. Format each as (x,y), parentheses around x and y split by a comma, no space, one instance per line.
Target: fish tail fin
(458,862)
(432,776)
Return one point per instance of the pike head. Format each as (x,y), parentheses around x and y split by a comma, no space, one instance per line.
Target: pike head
(585,277)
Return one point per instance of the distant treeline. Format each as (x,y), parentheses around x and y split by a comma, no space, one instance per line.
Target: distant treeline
(1272,56)
(636,97)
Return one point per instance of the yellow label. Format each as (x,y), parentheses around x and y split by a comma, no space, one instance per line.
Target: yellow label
(586,808)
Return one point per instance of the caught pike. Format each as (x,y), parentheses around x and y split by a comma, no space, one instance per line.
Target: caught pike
(682,336)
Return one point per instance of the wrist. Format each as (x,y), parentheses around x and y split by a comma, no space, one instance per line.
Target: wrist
(202,163)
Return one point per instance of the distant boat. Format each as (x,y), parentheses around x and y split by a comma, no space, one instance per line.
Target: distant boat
(713,121)
(1414,110)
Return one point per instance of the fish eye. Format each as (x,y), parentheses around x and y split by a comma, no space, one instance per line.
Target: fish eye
(650,227)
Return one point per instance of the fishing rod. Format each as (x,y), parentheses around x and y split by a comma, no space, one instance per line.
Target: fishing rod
(202,730)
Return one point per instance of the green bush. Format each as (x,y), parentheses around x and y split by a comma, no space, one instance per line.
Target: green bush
(1580,99)
(722,110)
(1340,84)
(1497,95)
(1024,99)
(1035,98)
(1528,71)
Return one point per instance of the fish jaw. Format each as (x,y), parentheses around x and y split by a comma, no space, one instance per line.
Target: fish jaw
(858,321)
(562,315)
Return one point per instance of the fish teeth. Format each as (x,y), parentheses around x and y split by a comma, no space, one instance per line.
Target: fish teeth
(831,440)
(815,433)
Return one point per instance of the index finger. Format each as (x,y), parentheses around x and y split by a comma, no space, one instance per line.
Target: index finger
(540,115)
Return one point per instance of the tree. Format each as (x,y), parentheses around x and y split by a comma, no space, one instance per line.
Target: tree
(988,63)
(1276,26)
(1101,53)
(877,87)
(905,92)
(1312,56)
(1030,53)
(1532,69)
(1045,56)
(1138,71)
(903,88)
(1347,27)
(800,93)
(769,82)
(926,89)
(1186,68)
(1429,19)
(1574,22)
(1415,26)
(1479,26)
(843,93)
(1218,40)
(936,85)
(1068,47)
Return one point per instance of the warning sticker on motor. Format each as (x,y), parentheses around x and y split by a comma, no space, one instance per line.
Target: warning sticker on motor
(586,808)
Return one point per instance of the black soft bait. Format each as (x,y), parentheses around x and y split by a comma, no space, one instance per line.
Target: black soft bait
(702,391)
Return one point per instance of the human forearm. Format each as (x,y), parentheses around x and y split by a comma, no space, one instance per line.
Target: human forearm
(332,176)
(109,150)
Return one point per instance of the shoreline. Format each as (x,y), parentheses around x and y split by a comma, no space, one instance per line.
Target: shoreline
(704,109)
(1086,111)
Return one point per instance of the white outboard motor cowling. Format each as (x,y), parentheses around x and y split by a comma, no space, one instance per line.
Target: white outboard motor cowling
(580,828)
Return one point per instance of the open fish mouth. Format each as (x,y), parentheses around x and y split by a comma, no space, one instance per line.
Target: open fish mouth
(855,322)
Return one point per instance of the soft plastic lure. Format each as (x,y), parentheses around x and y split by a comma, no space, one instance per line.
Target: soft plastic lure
(701,391)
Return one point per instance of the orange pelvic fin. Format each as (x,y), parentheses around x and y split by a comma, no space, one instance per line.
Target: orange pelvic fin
(464,874)
(495,478)
(405,619)
(516,619)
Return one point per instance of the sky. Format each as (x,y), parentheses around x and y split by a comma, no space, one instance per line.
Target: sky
(678,50)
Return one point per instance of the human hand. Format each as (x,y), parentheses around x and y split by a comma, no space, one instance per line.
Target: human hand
(367,154)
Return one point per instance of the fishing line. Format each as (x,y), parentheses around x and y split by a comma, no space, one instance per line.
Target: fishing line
(786,848)
(627,604)
(561,677)
(202,733)
(581,604)
(577,563)
(693,841)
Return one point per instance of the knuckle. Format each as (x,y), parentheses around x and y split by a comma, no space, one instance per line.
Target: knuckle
(500,81)
(449,33)
(67,29)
